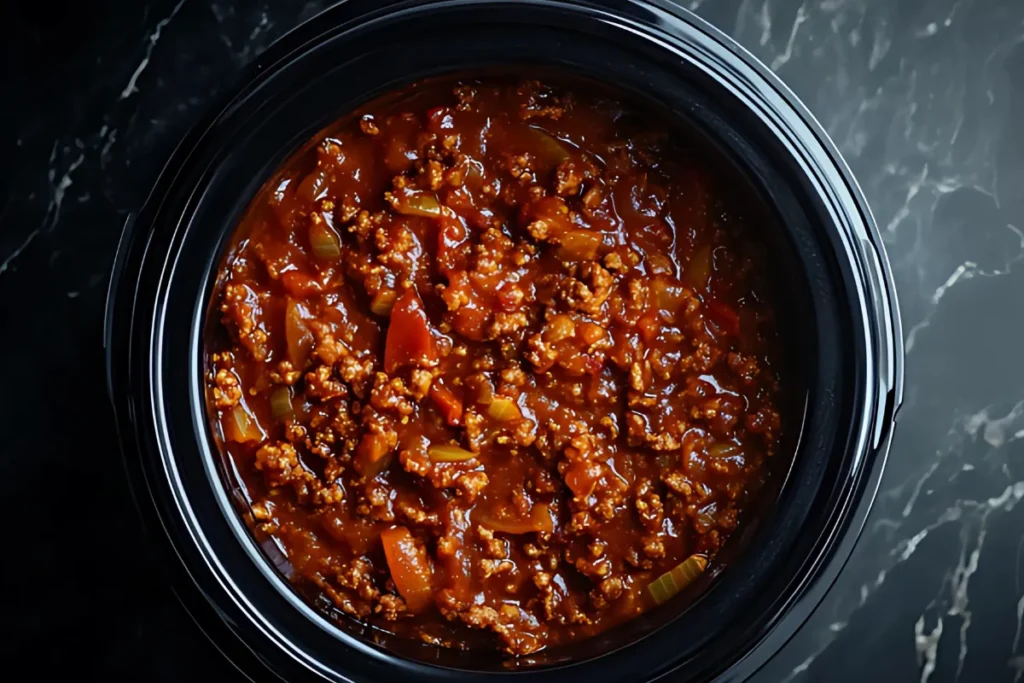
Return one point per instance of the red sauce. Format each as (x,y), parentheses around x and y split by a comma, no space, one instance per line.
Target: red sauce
(495,356)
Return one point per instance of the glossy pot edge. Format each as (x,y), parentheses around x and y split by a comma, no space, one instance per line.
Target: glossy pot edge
(878,279)
(793,119)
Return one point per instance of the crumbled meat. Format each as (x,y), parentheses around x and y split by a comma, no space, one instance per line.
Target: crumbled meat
(511,625)
(570,176)
(467,483)
(589,290)
(649,509)
(540,101)
(369,126)
(640,434)
(356,373)
(506,324)
(764,421)
(471,484)
(321,384)
(514,338)
(241,308)
(285,374)
(654,547)
(744,366)
(678,482)
(391,607)
(391,396)
(328,349)
(281,466)
(227,392)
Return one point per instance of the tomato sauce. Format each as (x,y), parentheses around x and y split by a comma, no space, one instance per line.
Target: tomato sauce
(493,357)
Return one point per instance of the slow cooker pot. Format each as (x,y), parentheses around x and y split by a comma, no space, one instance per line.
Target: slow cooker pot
(842,332)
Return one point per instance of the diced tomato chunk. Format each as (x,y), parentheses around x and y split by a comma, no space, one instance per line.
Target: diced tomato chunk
(299,284)
(581,477)
(450,236)
(297,335)
(724,317)
(410,340)
(409,567)
(469,322)
(448,403)
(372,455)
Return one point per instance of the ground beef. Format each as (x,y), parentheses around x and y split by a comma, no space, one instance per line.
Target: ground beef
(488,367)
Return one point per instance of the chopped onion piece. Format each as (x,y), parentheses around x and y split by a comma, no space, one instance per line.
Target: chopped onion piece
(558,327)
(485,392)
(281,403)
(668,295)
(579,245)
(240,427)
(540,520)
(382,302)
(671,582)
(552,151)
(449,453)
(419,204)
(314,186)
(324,240)
(297,335)
(504,409)
(724,450)
(698,270)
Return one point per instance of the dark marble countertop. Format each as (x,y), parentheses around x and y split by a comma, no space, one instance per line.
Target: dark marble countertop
(925,98)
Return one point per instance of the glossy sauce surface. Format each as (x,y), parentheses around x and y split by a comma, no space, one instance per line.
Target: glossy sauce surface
(493,357)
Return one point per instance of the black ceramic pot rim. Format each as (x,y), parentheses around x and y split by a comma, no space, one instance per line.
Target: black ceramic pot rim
(149,264)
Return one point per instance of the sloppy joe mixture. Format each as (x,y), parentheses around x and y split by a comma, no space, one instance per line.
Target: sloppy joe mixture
(495,364)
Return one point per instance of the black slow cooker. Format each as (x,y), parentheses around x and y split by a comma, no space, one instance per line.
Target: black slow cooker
(844,334)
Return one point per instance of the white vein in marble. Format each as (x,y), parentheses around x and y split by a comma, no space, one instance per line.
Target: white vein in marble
(151,41)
